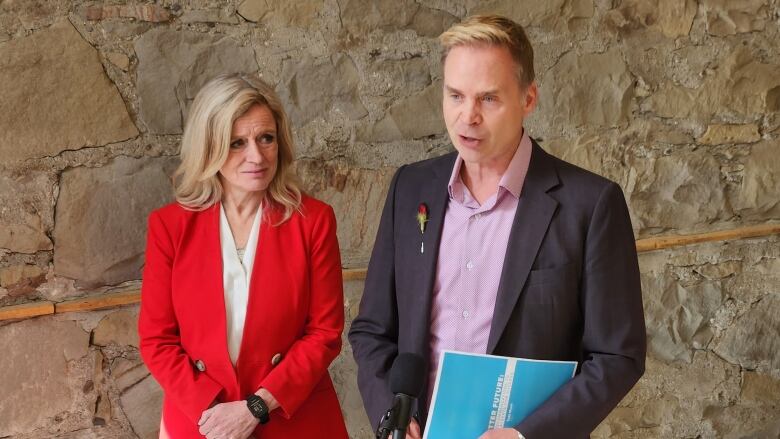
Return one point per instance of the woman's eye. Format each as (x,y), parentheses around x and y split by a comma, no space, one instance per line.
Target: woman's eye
(236,144)
(267,138)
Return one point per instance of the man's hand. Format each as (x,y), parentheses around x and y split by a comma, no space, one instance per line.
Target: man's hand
(231,420)
(500,433)
(413,432)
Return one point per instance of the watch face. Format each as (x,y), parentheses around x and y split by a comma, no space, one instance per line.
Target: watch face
(258,408)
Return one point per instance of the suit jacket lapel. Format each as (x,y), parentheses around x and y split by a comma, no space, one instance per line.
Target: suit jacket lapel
(435,197)
(214,285)
(535,210)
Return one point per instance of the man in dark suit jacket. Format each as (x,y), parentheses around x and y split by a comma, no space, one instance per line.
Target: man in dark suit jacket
(515,252)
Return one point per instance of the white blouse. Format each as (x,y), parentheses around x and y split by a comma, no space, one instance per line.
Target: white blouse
(236,273)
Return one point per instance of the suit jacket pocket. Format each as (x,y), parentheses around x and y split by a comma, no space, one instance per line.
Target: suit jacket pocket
(555,285)
(552,274)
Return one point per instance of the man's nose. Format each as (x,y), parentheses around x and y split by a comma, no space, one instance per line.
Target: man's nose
(472,112)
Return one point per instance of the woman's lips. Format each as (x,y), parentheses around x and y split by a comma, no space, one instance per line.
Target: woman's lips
(256,173)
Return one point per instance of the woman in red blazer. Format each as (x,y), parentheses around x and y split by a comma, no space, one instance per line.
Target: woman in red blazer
(242,302)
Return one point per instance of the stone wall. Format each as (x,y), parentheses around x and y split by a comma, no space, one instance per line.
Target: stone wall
(676,100)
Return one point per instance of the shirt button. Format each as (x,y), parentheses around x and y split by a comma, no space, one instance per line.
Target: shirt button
(276,359)
(469,265)
(200,365)
(466,314)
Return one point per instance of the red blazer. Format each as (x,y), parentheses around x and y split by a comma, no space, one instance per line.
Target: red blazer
(293,323)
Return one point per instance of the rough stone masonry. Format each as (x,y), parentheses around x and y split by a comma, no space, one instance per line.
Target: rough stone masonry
(676,100)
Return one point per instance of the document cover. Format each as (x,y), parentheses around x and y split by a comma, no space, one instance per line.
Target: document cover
(477,392)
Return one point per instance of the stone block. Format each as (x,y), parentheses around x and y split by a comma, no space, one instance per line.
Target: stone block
(314,88)
(27,211)
(669,395)
(600,153)
(759,388)
(174,65)
(223,16)
(142,404)
(672,18)
(299,13)
(56,96)
(682,191)
(127,372)
(360,18)
(35,374)
(677,316)
(548,14)
(593,89)
(21,279)
(728,17)
(357,196)
(118,59)
(152,13)
(739,85)
(719,134)
(101,218)
(758,197)
(119,328)
(413,117)
(400,77)
(754,339)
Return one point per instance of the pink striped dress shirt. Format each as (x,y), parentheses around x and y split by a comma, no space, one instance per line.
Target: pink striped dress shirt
(471,257)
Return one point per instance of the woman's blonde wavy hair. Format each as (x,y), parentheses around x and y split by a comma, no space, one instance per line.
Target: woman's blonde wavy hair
(206,142)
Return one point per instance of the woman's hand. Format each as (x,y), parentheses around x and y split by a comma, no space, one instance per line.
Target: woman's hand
(229,420)
(269,399)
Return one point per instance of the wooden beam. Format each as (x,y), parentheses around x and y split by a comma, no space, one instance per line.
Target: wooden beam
(353,273)
(27,310)
(107,300)
(662,242)
(110,300)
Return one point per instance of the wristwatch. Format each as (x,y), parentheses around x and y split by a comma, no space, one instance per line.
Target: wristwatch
(258,408)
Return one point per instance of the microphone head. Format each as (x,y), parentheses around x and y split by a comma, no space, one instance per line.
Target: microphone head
(407,373)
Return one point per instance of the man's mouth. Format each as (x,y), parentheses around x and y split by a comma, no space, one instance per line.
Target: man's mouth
(468,140)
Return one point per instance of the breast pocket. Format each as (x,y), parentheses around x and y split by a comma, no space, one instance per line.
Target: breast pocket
(555,285)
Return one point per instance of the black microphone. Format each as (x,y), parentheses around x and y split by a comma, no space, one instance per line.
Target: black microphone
(406,381)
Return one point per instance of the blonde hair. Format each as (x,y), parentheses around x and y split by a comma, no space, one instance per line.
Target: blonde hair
(206,142)
(493,30)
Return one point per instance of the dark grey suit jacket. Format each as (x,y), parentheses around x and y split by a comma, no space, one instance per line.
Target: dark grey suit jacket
(569,290)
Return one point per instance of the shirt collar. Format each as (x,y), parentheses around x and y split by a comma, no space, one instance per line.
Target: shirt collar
(511,181)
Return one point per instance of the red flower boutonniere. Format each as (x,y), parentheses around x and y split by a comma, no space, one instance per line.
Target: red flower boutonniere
(422,218)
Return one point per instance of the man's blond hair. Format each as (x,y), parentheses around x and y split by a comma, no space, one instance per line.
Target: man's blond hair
(493,30)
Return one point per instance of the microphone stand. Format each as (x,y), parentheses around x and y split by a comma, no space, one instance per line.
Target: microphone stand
(403,403)
(387,423)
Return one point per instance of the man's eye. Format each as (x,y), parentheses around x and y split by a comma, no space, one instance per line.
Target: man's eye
(489,98)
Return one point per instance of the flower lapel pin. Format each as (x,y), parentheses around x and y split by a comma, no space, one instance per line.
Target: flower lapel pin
(422,218)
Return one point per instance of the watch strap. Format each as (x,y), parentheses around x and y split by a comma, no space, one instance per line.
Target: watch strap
(258,408)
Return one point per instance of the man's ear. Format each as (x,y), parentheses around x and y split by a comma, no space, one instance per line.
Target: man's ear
(530,98)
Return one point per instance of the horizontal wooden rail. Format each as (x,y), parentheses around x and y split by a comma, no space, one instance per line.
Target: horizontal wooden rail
(110,300)
(354,273)
(27,310)
(662,242)
(106,300)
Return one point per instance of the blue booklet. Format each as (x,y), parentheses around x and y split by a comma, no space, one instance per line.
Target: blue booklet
(477,392)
